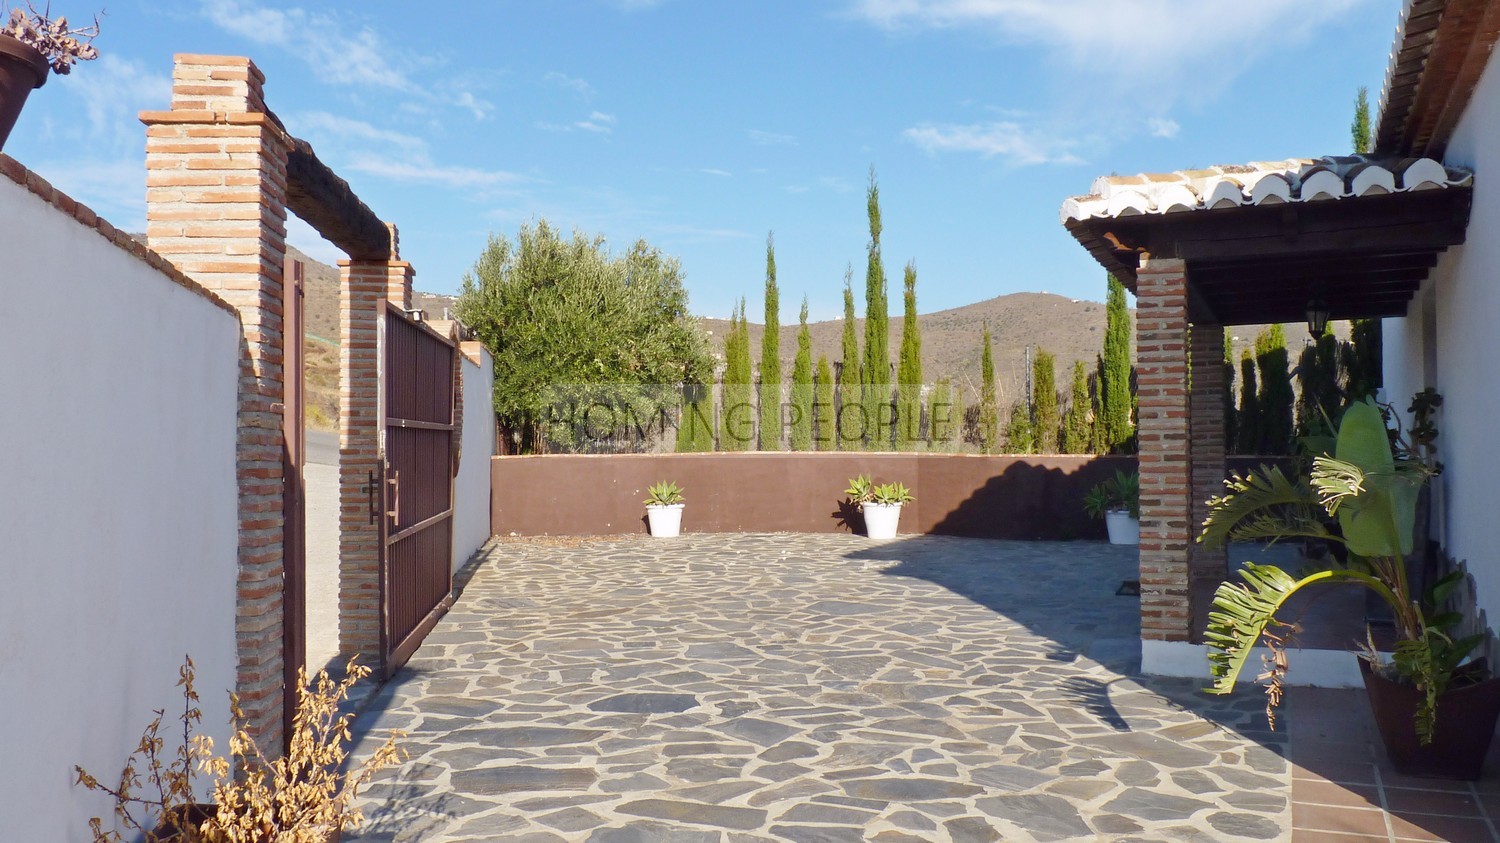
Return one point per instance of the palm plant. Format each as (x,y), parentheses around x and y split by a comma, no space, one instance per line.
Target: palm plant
(1362,496)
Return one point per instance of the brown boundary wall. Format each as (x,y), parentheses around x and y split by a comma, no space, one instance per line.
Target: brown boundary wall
(1010,497)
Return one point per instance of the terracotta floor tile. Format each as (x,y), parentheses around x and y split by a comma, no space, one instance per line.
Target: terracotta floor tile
(1390,778)
(1302,835)
(1332,793)
(1431,802)
(1350,772)
(1327,818)
(1447,829)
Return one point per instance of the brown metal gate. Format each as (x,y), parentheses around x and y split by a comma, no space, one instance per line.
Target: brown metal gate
(416,579)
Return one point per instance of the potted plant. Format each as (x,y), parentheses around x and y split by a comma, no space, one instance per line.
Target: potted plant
(30,44)
(1435,711)
(304,796)
(1118,501)
(664,510)
(880,503)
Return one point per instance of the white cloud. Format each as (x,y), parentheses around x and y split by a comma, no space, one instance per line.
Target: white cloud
(1179,44)
(563,80)
(771,138)
(114,91)
(480,108)
(342,54)
(1163,127)
(1010,141)
(419,168)
(714,171)
(598,123)
(318,125)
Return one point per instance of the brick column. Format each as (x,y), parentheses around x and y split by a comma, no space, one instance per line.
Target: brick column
(363,285)
(216,207)
(1207,447)
(1162,393)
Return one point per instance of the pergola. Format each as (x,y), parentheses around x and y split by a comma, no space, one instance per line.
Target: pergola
(1242,245)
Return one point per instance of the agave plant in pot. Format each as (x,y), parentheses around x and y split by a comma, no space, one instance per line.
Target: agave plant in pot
(1436,711)
(664,505)
(31,44)
(1118,501)
(881,504)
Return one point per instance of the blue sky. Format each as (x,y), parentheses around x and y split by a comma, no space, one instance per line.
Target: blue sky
(702,125)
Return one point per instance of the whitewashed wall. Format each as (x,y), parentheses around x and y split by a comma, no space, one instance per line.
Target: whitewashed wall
(117,510)
(471,489)
(1450,341)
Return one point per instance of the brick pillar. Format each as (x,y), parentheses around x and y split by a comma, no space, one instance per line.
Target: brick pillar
(216,207)
(363,284)
(1162,393)
(1206,425)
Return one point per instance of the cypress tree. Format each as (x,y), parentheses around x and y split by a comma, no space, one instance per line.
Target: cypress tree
(695,431)
(850,412)
(1115,373)
(989,411)
(802,387)
(943,419)
(1359,130)
(1276,398)
(1362,359)
(737,423)
(909,371)
(1020,434)
(876,372)
(1249,428)
(1231,415)
(1075,433)
(1319,396)
(823,409)
(1096,425)
(1045,421)
(770,358)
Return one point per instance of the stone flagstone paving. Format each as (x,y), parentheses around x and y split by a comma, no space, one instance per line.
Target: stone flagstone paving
(810,688)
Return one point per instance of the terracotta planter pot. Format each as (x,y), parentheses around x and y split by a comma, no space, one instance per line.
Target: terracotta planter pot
(1466,716)
(22,68)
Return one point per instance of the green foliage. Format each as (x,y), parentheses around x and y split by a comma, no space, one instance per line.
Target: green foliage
(909,371)
(770,358)
(560,312)
(1276,397)
(1020,435)
(989,410)
(1123,491)
(1362,359)
(863,490)
(1117,403)
(1077,428)
(1045,420)
(1370,486)
(945,416)
(737,420)
(875,375)
(664,493)
(802,387)
(1097,444)
(1320,394)
(849,428)
(1231,415)
(823,408)
(1249,426)
(1359,130)
(695,430)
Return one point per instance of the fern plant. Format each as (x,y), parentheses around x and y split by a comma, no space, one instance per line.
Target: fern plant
(1368,486)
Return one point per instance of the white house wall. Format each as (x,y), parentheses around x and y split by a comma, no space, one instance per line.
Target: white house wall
(471,489)
(1450,341)
(118,534)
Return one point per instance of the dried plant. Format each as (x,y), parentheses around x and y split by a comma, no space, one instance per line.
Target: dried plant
(59,43)
(303,796)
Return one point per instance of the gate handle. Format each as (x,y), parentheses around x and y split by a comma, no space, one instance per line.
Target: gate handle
(395,483)
(370,490)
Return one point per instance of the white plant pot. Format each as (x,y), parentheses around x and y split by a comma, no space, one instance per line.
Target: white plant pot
(1123,528)
(881,520)
(665,519)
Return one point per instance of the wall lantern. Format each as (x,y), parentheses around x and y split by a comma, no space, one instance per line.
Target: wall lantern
(1317,315)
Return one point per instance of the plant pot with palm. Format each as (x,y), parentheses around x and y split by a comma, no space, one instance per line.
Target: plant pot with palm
(664,505)
(1118,501)
(1435,708)
(31,44)
(881,504)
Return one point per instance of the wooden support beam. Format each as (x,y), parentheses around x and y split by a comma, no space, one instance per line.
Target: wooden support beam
(327,203)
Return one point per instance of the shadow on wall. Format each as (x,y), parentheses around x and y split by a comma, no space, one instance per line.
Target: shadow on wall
(1040,500)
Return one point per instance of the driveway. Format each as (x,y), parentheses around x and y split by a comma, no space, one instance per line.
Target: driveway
(810,688)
